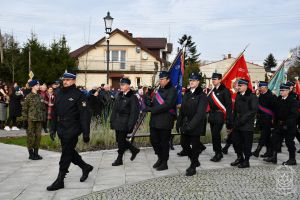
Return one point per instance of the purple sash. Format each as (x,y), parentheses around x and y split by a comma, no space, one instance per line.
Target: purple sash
(161,101)
(266,110)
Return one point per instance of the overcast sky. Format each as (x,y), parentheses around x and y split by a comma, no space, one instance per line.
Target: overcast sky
(217,27)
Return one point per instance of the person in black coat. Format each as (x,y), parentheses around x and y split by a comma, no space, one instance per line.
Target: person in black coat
(15,108)
(265,115)
(191,122)
(71,117)
(123,118)
(286,114)
(245,108)
(220,104)
(163,115)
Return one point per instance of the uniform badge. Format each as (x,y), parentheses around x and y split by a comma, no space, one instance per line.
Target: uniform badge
(83,104)
(71,99)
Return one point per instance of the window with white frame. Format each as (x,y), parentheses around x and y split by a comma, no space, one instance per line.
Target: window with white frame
(118,56)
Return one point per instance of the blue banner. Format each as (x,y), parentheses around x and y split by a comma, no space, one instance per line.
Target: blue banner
(176,75)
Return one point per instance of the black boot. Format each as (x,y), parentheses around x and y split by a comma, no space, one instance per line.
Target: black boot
(36,155)
(291,160)
(257,151)
(202,148)
(225,148)
(218,156)
(182,153)
(134,152)
(191,170)
(239,160)
(244,164)
(157,164)
(267,154)
(85,172)
(163,166)
(298,151)
(31,154)
(118,161)
(272,159)
(58,183)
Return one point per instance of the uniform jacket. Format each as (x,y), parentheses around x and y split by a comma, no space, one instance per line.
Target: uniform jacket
(192,113)
(125,112)
(34,108)
(70,116)
(161,117)
(245,109)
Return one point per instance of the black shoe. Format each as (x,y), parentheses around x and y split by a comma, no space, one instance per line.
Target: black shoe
(182,153)
(31,155)
(290,162)
(134,152)
(225,149)
(272,159)
(202,148)
(36,155)
(239,160)
(197,163)
(256,152)
(190,171)
(118,161)
(162,166)
(85,172)
(58,183)
(244,164)
(298,151)
(217,157)
(157,164)
(266,155)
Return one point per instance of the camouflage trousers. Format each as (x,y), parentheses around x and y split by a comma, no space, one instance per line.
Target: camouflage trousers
(34,132)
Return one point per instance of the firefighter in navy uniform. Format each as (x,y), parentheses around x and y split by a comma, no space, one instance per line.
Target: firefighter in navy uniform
(123,118)
(191,122)
(220,112)
(163,115)
(265,114)
(245,109)
(71,117)
(286,115)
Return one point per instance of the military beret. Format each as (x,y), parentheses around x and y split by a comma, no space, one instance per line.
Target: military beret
(243,82)
(263,84)
(284,87)
(216,76)
(69,76)
(33,83)
(125,81)
(194,76)
(164,74)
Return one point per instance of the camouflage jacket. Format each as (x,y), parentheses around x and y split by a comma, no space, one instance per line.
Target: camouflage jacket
(34,108)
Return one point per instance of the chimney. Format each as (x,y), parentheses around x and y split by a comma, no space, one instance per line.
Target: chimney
(229,56)
(128,33)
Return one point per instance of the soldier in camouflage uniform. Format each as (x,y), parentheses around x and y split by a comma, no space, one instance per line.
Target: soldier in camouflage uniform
(33,112)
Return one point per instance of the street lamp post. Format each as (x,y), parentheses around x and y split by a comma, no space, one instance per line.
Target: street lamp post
(108,20)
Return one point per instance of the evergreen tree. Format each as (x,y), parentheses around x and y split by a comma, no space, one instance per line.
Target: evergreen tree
(269,63)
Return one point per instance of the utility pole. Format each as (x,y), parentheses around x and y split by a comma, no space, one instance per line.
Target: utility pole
(1,48)
(29,60)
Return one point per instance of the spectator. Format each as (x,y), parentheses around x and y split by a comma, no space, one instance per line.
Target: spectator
(3,104)
(49,100)
(15,109)
(43,94)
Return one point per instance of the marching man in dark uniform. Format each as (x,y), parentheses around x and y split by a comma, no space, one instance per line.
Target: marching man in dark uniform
(123,118)
(220,112)
(286,114)
(163,114)
(245,108)
(71,117)
(191,122)
(265,115)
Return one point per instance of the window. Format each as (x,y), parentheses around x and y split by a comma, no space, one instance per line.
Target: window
(138,81)
(118,56)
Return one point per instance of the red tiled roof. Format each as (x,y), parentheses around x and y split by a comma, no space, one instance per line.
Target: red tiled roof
(76,53)
(152,43)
